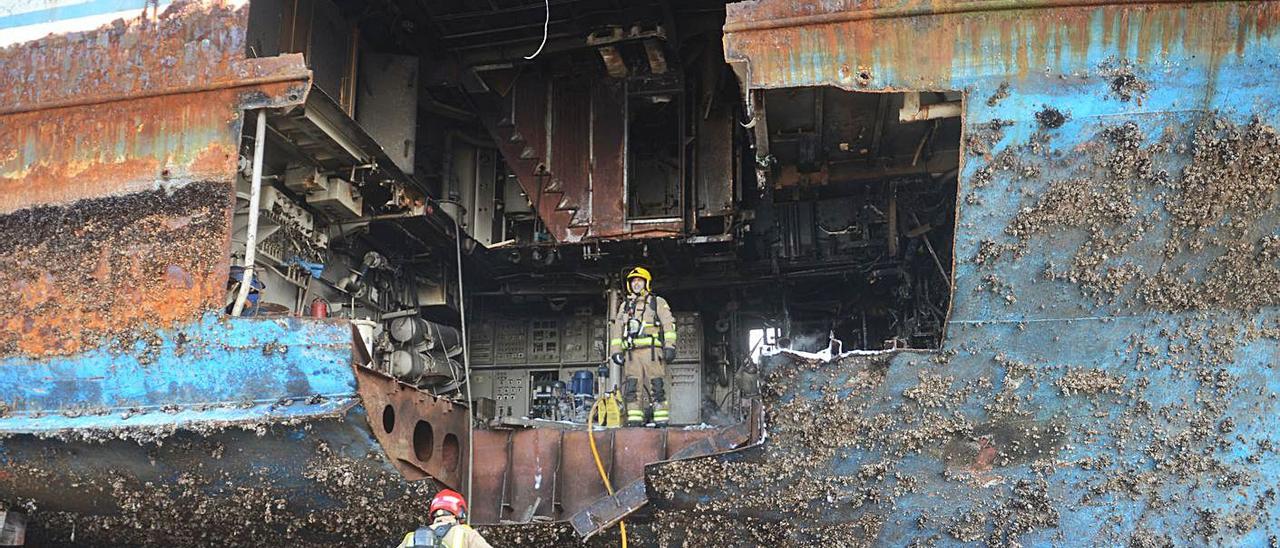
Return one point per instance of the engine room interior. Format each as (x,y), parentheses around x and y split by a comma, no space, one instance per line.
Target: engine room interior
(474,205)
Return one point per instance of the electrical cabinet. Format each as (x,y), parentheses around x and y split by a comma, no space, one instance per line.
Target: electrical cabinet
(686,392)
(482,384)
(480,341)
(339,200)
(688,336)
(510,349)
(599,342)
(511,392)
(510,344)
(566,340)
(576,342)
(305,179)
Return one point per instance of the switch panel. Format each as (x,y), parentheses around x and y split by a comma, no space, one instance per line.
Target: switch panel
(544,341)
(511,392)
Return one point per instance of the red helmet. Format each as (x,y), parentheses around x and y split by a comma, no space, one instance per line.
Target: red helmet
(450,501)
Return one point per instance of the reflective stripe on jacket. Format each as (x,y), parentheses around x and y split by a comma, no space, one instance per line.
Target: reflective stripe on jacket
(655,318)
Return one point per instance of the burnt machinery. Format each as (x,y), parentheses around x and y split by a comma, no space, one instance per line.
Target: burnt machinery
(422,352)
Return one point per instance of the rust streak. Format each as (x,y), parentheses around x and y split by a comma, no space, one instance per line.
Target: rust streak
(116,168)
(191,44)
(63,155)
(888,38)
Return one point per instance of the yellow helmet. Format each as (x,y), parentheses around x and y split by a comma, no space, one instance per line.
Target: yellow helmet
(642,273)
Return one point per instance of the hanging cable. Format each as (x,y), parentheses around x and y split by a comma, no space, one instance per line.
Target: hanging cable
(591,436)
(545,23)
(466,364)
(466,357)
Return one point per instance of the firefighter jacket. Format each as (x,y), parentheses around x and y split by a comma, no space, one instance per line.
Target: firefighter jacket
(642,321)
(459,535)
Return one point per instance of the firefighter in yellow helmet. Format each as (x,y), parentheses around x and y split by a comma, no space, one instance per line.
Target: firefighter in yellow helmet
(643,342)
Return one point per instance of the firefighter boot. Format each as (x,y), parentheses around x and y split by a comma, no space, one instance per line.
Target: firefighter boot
(635,413)
(661,410)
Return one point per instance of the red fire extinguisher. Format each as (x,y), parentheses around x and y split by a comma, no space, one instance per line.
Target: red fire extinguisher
(319,308)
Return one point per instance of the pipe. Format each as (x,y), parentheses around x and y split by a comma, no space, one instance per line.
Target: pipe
(466,354)
(912,111)
(466,362)
(255,196)
(893,220)
(925,236)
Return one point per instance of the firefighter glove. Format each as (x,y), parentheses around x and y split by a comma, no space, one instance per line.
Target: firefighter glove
(668,354)
(616,358)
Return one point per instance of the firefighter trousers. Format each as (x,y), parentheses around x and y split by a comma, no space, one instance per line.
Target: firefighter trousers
(639,370)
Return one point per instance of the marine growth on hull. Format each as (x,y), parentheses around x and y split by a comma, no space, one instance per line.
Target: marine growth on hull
(704,272)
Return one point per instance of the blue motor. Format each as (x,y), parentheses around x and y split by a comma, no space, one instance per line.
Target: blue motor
(583,383)
(583,388)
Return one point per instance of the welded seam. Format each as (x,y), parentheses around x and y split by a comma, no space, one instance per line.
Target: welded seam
(198,88)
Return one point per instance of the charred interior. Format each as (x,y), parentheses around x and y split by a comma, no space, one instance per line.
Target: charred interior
(803,218)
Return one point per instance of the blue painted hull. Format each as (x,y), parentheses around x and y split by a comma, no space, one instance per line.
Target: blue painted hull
(1107,375)
(238,430)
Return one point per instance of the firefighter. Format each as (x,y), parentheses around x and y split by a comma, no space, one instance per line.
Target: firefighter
(448,528)
(643,342)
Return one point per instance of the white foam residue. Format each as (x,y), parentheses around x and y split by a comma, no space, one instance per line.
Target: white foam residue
(826,355)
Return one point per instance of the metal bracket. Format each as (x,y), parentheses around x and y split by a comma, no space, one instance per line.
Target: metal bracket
(608,510)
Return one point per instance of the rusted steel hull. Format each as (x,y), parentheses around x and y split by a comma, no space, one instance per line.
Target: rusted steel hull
(950,45)
(549,475)
(521,475)
(131,411)
(117,157)
(95,272)
(190,46)
(1106,374)
(422,435)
